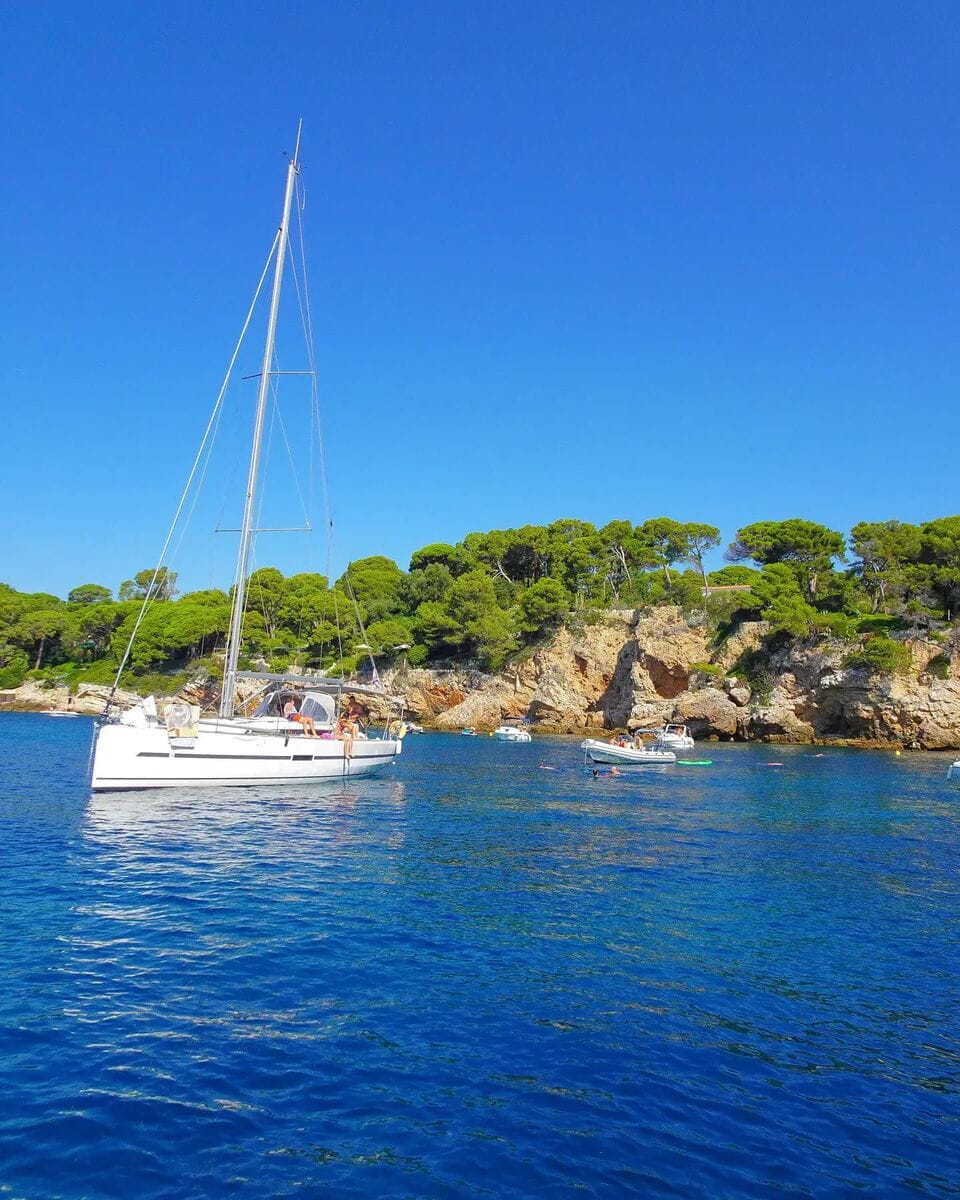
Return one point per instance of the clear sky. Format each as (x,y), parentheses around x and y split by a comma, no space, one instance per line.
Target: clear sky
(593,259)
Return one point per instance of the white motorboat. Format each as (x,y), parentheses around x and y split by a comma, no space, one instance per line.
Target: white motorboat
(511,733)
(670,737)
(953,771)
(623,753)
(145,749)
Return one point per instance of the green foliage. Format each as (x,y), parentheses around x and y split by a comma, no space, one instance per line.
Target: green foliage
(622,553)
(734,575)
(806,547)
(266,596)
(790,614)
(838,625)
(686,589)
(668,540)
(707,668)
(699,539)
(434,627)
(882,655)
(909,569)
(878,623)
(883,550)
(483,629)
(305,604)
(13,666)
(725,611)
(753,666)
(542,605)
(38,632)
(159,584)
(385,637)
(158,683)
(431,582)
(938,572)
(488,597)
(375,582)
(456,559)
(90,593)
(939,666)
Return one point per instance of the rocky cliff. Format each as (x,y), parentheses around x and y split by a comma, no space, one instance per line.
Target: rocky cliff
(631,670)
(636,671)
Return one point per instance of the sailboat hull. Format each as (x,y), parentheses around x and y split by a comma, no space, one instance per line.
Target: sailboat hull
(127,758)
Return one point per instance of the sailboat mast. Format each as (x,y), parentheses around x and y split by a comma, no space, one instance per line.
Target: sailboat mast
(246,530)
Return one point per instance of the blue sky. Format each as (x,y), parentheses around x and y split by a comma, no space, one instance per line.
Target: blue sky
(567,259)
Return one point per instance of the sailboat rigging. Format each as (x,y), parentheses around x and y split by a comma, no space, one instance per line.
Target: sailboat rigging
(142,748)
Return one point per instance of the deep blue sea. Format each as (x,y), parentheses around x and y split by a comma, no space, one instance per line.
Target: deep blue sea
(478,977)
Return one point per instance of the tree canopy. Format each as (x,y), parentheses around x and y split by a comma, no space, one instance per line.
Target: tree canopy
(494,594)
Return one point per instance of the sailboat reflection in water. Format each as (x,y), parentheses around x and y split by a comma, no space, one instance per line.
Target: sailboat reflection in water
(177,747)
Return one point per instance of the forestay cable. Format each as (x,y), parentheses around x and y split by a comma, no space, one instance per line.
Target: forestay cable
(148,597)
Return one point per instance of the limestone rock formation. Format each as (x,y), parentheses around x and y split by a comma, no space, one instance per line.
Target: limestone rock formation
(620,669)
(641,670)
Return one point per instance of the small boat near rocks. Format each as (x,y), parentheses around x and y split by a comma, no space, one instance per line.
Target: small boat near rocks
(623,753)
(670,737)
(508,732)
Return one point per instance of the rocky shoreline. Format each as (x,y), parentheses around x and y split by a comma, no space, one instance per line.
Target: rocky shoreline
(631,670)
(640,670)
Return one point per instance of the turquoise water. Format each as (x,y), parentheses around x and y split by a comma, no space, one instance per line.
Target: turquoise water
(476,977)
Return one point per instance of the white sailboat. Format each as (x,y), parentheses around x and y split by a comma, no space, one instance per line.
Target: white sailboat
(144,748)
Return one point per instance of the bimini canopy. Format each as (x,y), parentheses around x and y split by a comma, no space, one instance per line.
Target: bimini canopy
(321,708)
(313,704)
(317,683)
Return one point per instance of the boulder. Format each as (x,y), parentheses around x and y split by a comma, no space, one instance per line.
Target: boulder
(480,711)
(709,713)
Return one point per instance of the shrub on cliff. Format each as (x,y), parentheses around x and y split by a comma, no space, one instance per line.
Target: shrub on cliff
(735,575)
(756,670)
(939,666)
(838,625)
(881,655)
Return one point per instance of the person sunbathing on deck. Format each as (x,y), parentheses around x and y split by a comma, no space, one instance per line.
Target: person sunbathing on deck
(291,713)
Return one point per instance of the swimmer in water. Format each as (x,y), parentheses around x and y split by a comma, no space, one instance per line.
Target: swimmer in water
(545,767)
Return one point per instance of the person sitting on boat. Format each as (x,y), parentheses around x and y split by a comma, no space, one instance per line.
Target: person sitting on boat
(292,713)
(345,730)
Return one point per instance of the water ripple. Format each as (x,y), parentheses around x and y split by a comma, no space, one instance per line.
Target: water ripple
(472,977)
